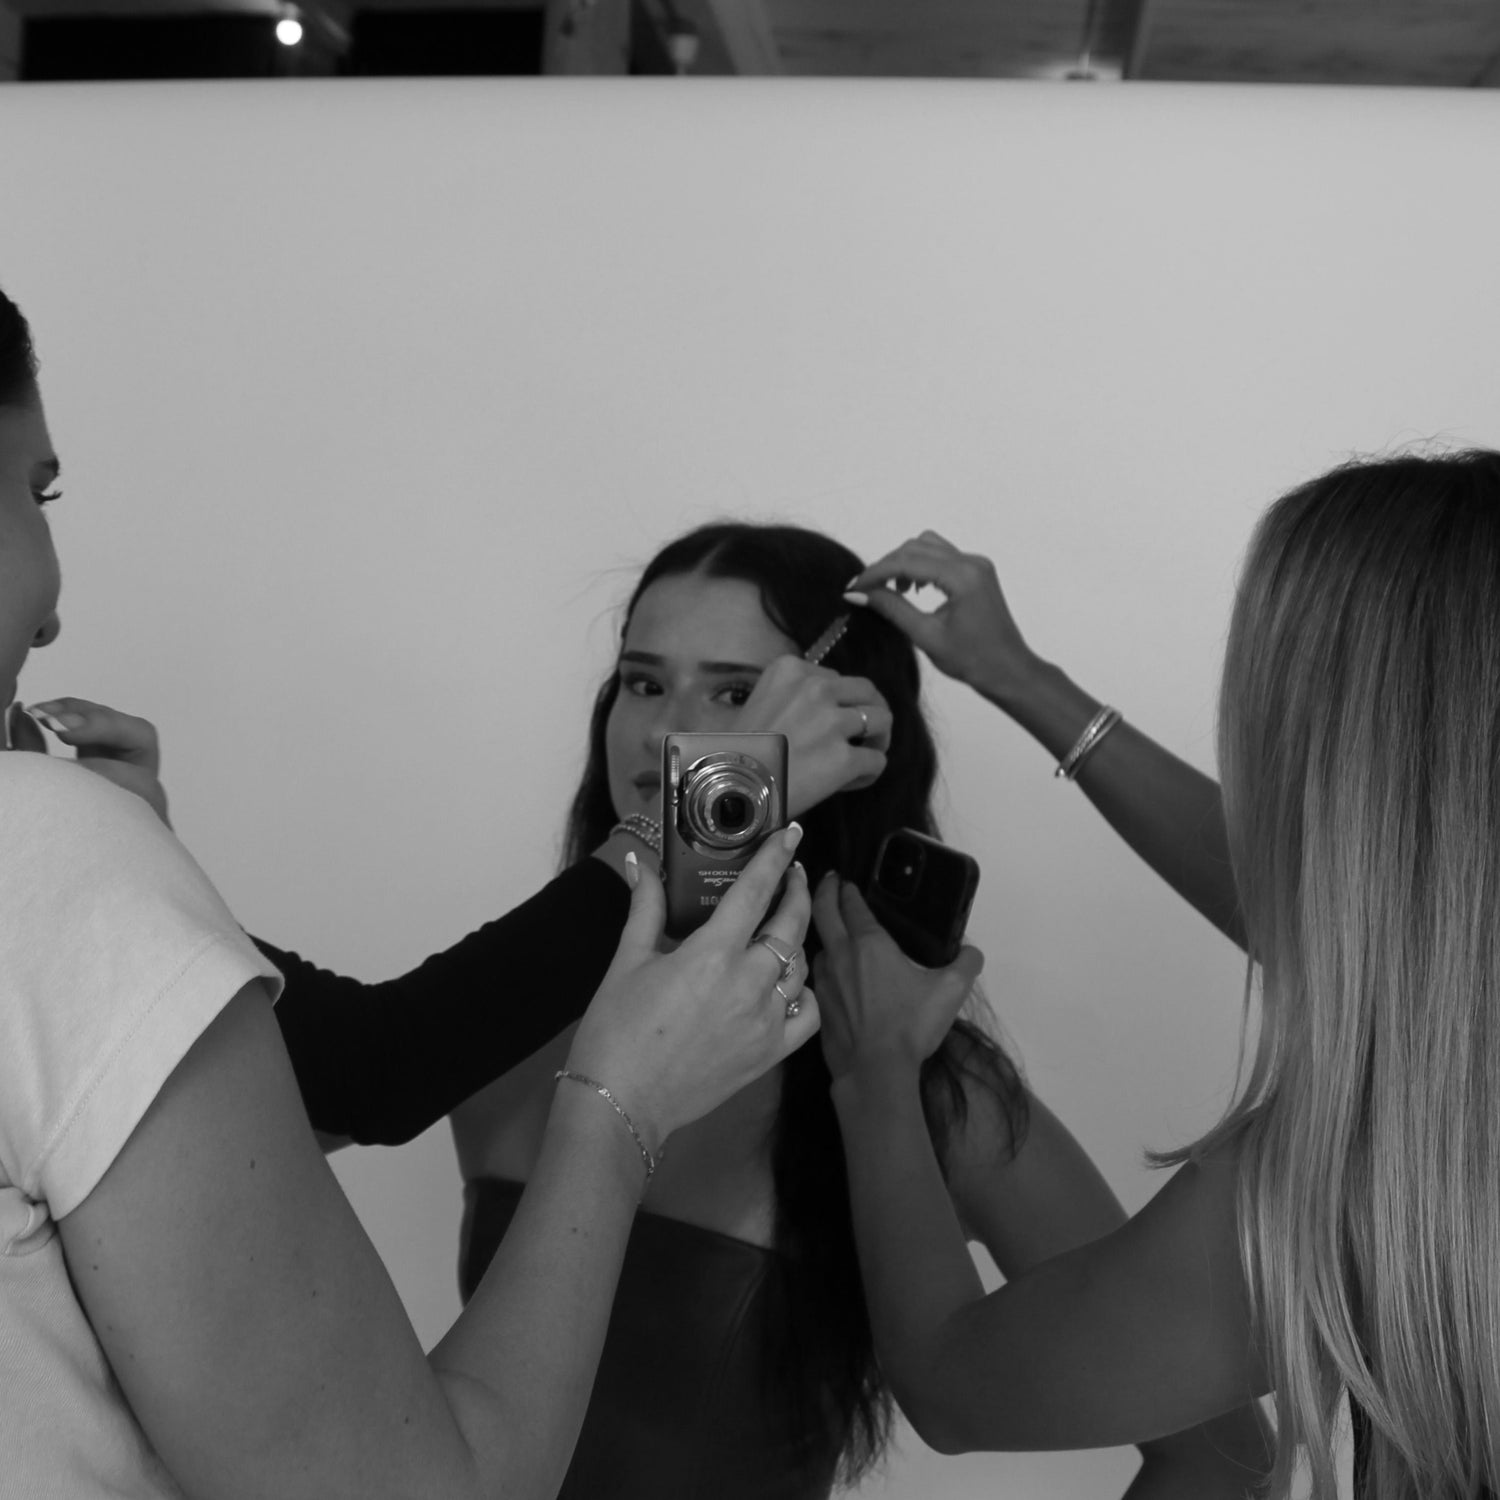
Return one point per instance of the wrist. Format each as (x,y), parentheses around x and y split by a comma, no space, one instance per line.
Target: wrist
(585,1123)
(877,1084)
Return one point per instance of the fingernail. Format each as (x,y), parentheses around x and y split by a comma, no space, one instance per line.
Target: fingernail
(800,868)
(856,597)
(793,835)
(57,722)
(632,869)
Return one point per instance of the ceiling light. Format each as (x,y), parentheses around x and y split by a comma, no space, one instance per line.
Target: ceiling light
(288,31)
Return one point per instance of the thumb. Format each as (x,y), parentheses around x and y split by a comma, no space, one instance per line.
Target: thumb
(905,616)
(24,734)
(648,915)
(967,967)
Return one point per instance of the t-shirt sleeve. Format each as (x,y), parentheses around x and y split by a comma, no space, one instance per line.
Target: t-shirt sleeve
(382,1062)
(117,953)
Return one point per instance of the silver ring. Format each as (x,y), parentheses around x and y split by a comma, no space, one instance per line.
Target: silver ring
(864,726)
(793,1005)
(788,961)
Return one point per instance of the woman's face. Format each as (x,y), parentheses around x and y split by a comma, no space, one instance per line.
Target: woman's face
(692,653)
(29,577)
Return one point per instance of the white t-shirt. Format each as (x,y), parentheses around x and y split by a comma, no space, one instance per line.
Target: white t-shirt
(115,955)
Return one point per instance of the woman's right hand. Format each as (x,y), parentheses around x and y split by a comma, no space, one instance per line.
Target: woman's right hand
(972,635)
(673,1035)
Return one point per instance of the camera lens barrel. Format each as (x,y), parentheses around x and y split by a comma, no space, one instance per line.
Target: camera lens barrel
(726,801)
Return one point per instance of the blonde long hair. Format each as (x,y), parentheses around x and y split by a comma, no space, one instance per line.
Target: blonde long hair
(1359,745)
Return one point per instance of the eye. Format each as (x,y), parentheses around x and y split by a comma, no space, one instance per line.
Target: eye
(735,693)
(46,497)
(638,685)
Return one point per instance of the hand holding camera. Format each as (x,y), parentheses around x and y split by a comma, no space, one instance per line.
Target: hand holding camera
(838,728)
(880,1010)
(674,1035)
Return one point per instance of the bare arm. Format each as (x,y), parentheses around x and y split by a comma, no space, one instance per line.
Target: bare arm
(1129,1338)
(1028,1205)
(254,1332)
(327,1392)
(1132,1336)
(1169,813)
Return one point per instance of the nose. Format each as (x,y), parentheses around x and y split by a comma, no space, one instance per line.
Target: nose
(51,628)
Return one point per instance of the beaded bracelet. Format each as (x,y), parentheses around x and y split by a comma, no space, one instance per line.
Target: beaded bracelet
(647,830)
(619,1109)
(1099,726)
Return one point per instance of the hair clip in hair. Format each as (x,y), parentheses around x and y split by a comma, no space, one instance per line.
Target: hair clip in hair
(827,641)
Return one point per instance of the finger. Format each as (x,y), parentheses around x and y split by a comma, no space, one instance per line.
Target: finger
(968,966)
(802,1027)
(23,731)
(738,917)
(648,915)
(826,914)
(787,928)
(94,726)
(917,560)
(917,624)
(858,918)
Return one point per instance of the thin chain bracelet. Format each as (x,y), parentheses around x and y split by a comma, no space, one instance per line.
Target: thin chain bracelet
(619,1109)
(647,830)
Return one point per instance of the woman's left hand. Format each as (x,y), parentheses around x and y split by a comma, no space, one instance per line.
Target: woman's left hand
(880,1010)
(119,747)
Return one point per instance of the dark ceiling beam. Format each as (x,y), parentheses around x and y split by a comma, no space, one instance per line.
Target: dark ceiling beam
(1114,38)
(748,38)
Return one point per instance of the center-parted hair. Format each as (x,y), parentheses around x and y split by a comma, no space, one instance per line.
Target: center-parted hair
(1359,744)
(825,1361)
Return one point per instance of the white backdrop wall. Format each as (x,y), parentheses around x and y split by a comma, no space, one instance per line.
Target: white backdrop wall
(372,396)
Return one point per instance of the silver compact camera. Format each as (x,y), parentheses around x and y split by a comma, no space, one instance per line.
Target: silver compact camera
(722,796)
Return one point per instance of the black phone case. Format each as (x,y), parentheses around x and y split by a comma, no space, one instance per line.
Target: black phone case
(928,923)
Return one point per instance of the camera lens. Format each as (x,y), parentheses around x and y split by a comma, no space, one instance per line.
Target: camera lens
(901,869)
(731,812)
(726,802)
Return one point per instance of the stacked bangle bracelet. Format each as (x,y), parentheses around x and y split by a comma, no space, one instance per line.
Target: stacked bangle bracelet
(1099,726)
(619,1109)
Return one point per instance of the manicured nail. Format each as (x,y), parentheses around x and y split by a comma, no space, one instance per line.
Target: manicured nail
(793,835)
(632,870)
(57,723)
(855,597)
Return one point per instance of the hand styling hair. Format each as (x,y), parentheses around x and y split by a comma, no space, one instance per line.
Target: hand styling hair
(824,1350)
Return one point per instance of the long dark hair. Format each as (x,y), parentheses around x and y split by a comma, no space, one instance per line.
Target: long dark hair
(17,357)
(823,1360)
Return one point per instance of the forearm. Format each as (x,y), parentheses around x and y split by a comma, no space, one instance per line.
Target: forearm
(913,1256)
(518,1366)
(1169,813)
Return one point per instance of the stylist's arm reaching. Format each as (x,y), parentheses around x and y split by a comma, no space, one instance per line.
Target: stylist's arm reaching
(255,1333)
(1169,813)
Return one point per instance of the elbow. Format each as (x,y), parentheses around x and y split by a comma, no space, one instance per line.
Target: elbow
(935,1425)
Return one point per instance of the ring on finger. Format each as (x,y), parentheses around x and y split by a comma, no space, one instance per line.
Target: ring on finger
(788,960)
(864,727)
(793,1002)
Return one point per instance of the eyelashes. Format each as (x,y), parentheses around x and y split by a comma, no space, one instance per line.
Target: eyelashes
(46,497)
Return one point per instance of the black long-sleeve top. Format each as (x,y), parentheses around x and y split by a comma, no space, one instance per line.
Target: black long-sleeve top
(382,1062)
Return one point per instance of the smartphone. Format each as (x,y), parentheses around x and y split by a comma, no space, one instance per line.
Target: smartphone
(723,795)
(921,892)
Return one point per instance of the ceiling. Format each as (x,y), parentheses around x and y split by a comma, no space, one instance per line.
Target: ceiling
(1432,43)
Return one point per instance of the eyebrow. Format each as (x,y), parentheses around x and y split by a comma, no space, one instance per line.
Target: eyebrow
(651,659)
